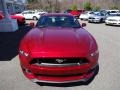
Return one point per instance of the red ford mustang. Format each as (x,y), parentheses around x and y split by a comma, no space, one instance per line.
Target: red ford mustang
(20,19)
(58,50)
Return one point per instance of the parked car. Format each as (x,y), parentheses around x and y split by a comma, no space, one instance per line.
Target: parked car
(85,15)
(67,11)
(76,13)
(32,14)
(112,12)
(113,20)
(1,16)
(20,19)
(58,50)
(97,17)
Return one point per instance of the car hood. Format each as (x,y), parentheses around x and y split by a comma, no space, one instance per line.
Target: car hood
(114,17)
(95,16)
(16,17)
(57,42)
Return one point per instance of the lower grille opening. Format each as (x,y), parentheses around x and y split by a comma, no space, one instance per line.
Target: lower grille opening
(60,75)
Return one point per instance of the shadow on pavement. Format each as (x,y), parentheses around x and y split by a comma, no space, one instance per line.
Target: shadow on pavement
(72,84)
(9,42)
(113,25)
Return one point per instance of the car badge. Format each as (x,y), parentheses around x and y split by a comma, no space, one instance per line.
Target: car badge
(60,60)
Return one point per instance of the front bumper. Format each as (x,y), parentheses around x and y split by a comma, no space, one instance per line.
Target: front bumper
(83,77)
(94,20)
(112,23)
(58,74)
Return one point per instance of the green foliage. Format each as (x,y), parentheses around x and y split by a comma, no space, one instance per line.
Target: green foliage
(114,7)
(96,8)
(74,7)
(87,6)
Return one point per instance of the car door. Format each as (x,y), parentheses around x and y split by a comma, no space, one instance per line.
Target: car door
(30,14)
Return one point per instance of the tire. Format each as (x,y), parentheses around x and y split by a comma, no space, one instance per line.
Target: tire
(89,21)
(35,18)
(101,20)
(81,18)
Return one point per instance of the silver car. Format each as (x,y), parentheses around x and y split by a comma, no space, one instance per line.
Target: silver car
(97,17)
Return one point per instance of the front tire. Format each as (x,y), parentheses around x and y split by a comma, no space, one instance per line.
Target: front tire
(101,20)
(35,18)
(89,21)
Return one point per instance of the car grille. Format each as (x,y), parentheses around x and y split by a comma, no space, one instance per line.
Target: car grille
(59,61)
(91,18)
(112,20)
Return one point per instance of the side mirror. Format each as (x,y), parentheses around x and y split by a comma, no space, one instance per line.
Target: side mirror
(32,24)
(83,24)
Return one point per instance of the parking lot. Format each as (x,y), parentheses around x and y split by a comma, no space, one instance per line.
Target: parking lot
(108,77)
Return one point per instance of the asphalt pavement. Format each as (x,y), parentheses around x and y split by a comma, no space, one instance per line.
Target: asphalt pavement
(108,77)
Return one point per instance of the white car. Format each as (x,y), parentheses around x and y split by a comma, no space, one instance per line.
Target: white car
(86,15)
(32,14)
(112,12)
(97,17)
(113,20)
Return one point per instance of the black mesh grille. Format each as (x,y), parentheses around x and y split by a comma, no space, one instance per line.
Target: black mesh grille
(91,18)
(59,60)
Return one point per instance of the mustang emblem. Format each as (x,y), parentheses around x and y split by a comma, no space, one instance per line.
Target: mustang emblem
(60,60)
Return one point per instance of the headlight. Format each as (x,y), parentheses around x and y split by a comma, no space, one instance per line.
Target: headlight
(94,53)
(23,53)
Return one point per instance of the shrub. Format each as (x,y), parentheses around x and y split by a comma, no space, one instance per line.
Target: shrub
(74,7)
(96,8)
(114,7)
(87,6)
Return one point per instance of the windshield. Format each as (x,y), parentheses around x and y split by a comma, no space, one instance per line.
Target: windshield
(99,14)
(58,21)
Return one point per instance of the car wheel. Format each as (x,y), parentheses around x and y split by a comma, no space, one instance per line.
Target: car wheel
(101,20)
(89,21)
(35,18)
(81,19)
(106,24)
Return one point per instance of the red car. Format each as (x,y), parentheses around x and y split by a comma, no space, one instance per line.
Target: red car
(1,16)
(58,50)
(20,19)
(76,13)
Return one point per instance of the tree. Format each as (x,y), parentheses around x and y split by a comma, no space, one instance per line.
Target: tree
(114,7)
(87,6)
(96,8)
(74,7)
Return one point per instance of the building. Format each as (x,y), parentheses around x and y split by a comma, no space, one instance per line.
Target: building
(14,6)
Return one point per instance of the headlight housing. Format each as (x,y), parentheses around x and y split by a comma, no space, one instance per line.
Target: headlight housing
(94,53)
(93,48)
(23,53)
